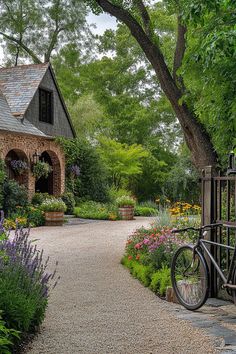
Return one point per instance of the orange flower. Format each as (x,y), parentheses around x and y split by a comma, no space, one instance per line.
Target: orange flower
(138,256)
(130,257)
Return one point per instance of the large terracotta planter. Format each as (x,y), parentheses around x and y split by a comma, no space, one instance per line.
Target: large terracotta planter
(126,212)
(54,218)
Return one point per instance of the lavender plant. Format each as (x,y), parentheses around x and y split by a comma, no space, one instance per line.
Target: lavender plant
(25,282)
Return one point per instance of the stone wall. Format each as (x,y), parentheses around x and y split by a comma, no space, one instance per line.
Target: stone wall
(27,145)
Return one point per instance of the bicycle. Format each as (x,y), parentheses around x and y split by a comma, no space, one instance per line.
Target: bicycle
(190,273)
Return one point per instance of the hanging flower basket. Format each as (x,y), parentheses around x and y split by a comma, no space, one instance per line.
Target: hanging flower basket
(41,169)
(19,166)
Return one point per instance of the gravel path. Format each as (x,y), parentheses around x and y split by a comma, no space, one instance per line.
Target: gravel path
(98,308)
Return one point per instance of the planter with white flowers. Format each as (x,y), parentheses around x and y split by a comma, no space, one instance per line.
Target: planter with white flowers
(54,209)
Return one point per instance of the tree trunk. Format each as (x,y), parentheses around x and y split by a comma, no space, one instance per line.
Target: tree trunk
(197,139)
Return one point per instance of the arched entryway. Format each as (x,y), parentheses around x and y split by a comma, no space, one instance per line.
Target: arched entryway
(17,166)
(51,184)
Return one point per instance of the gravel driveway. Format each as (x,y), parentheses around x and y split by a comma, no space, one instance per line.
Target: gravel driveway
(98,308)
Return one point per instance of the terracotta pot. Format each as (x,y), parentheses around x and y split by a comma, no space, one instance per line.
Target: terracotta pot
(54,218)
(126,212)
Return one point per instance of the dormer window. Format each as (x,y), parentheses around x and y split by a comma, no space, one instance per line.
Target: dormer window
(45,106)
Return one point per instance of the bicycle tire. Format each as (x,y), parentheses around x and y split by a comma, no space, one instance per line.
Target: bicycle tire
(191,292)
(234,291)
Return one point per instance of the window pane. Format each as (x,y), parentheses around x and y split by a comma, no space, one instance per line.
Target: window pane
(45,106)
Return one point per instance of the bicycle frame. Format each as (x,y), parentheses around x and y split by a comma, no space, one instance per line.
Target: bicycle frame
(227,282)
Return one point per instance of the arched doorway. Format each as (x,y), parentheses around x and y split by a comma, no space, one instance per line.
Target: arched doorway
(17,166)
(45,185)
(51,184)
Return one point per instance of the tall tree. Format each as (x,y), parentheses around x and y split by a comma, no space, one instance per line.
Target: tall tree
(35,28)
(210,70)
(142,21)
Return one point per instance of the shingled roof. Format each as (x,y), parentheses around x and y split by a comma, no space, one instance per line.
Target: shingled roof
(19,84)
(9,123)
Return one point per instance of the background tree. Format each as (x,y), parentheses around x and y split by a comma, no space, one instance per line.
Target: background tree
(36,28)
(122,161)
(142,20)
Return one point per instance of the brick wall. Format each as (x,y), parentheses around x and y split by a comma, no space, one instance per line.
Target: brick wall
(27,145)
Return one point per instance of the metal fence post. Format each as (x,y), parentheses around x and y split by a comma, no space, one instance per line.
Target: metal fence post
(208,217)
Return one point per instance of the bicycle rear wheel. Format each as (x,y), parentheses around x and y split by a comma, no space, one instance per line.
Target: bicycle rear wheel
(234,291)
(190,277)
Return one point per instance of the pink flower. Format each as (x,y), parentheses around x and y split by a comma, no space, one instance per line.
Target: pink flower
(146,241)
(138,246)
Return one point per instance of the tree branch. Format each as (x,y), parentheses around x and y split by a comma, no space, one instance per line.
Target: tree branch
(151,49)
(197,139)
(179,51)
(23,46)
(145,17)
(51,45)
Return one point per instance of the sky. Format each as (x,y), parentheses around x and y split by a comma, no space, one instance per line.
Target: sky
(102,22)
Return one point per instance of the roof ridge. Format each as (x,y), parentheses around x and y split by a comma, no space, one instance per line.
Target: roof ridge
(24,66)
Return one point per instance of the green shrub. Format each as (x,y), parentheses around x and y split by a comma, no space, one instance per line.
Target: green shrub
(69,199)
(92,182)
(141,272)
(125,200)
(94,210)
(35,217)
(115,193)
(28,216)
(38,198)
(140,210)
(14,195)
(160,281)
(2,178)
(7,337)
(53,204)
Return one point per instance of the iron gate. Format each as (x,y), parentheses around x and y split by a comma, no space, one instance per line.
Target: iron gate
(219,205)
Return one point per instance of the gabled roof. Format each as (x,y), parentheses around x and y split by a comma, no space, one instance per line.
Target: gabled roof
(19,84)
(9,123)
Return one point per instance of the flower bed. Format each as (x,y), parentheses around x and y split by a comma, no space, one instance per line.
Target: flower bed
(29,216)
(149,251)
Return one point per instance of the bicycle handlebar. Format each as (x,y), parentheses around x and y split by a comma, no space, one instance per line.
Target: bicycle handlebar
(196,229)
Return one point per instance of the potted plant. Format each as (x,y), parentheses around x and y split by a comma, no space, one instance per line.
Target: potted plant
(41,169)
(54,209)
(126,207)
(19,166)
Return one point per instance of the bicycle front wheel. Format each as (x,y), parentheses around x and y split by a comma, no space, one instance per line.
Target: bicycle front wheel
(190,277)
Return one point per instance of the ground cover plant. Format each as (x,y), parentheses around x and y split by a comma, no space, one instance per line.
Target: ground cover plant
(149,251)
(95,210)
(25,284)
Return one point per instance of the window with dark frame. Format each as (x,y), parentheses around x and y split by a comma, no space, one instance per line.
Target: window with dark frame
(45,106)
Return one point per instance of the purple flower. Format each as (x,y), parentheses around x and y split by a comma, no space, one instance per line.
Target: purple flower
(18,255)
(75,170)
(19,165)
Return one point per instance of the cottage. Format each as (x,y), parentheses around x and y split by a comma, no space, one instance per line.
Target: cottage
(32,114)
